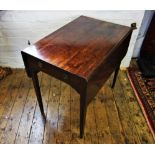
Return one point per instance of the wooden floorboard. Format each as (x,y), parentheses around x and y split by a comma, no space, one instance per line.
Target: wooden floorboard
(103,129)
(16,112)
(24,128)
(91,134)
(9,94)
(51,127)
(141,126)
(114,115)
(37,127)
(129,130)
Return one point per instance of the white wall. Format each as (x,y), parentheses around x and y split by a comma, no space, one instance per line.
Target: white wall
(16,27)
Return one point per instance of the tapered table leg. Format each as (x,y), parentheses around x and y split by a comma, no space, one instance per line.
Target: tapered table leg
(115,77)
(83,106)
(38,93)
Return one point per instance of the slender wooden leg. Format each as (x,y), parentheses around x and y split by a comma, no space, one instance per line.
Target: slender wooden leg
(115,76)
(83,107)
(38,93)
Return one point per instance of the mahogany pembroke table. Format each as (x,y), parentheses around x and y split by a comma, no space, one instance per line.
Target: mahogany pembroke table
(83,53)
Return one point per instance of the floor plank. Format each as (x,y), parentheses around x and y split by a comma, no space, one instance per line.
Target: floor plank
(91,134)
(129,130)
(64,126)
(114,116)
(138,117)
(10,96)
(27,116)
(50,134)
(102,123)
(38,124)
(16,112)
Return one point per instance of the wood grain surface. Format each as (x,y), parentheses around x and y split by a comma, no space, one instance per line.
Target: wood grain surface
(110,119)
(80,46)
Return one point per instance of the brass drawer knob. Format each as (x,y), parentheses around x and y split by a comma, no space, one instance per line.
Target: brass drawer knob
(40,64)
(65,77)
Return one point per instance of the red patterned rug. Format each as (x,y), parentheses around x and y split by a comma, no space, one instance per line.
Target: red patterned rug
(144,89)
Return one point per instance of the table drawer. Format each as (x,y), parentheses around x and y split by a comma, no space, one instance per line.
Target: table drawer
(39,65)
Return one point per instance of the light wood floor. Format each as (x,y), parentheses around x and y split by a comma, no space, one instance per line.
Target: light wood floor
(114,116)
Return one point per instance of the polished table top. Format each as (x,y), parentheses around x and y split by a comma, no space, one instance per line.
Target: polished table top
(80,46)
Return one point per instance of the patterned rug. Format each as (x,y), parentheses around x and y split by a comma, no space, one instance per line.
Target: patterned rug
(144,89)
(4,71)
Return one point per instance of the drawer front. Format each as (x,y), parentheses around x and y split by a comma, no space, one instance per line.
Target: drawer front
(39,65)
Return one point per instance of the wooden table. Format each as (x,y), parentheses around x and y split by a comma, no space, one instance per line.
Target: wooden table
(83,53)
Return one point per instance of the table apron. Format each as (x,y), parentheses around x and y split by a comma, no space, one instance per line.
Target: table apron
(33,64)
